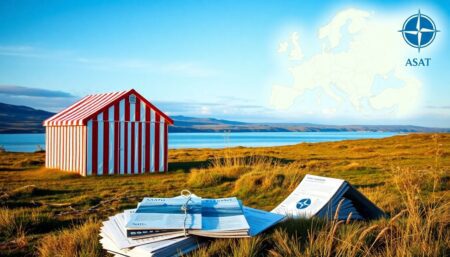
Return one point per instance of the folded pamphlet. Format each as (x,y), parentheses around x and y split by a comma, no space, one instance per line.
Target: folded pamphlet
(320,197)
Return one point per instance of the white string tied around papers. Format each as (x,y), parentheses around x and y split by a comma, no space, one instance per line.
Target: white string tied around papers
(188,195)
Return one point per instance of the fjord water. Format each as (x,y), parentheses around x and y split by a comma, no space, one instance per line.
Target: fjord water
(31,142)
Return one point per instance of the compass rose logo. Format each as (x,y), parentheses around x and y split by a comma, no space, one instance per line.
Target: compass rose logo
(303,203)
(419,30)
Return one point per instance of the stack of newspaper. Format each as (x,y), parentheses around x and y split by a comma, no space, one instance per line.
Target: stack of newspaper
(175,226)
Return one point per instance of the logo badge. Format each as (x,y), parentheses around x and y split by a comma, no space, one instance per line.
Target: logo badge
(419,31)
(303,203)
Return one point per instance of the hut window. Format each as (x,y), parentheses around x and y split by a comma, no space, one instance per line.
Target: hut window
(132,99)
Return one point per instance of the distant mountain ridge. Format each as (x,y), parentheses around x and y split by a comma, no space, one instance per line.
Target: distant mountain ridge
(23,119)
(193,126)
(190,121)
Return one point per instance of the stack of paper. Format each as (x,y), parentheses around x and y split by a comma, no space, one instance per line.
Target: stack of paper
(165,216)
(222,218)
(115,241)
(320,197)
(174,226)
(218,218)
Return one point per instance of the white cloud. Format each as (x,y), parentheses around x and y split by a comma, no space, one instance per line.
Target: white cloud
(357,49)
(188,69)
(177,68)
(15,49)
(231,108)
(204,110)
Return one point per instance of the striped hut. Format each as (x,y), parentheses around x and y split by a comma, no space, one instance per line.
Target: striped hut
(111,133)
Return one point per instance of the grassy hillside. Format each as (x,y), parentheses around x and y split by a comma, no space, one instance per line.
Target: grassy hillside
(53,213)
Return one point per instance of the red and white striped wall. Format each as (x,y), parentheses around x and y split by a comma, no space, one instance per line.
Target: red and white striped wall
(65,148)
(127,136)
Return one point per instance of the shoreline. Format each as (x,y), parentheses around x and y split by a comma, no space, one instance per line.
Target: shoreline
(33,142)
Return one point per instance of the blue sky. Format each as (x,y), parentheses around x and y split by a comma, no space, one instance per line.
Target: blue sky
(207,58)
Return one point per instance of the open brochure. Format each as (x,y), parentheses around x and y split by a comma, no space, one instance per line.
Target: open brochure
(320,196)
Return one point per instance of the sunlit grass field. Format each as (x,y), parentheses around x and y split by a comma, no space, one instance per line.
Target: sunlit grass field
(52,213)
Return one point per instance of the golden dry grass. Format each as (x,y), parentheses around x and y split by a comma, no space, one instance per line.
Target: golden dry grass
(52,213)
(80,240)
